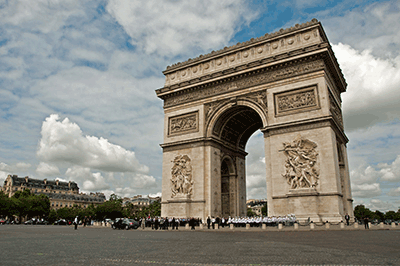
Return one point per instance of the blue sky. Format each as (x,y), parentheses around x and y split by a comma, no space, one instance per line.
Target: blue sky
(77,81)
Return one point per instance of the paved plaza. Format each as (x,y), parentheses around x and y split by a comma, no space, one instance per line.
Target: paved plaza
(61,245)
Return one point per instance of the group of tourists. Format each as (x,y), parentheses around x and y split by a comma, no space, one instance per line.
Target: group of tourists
(256,221)
(165,223)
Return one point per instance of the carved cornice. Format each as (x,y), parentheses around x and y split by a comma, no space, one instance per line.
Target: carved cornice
(246,80)
(308,124)
(242,45)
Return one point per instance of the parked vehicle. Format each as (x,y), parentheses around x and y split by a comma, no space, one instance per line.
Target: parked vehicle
(2,221)
(30,222)
(61,222)
(121,223)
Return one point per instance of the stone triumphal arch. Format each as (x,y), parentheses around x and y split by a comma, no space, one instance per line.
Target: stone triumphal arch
(286,84)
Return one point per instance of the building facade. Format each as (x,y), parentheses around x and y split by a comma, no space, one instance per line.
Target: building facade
(61,194)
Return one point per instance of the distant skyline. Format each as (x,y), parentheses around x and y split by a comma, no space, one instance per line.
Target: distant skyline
(78,81)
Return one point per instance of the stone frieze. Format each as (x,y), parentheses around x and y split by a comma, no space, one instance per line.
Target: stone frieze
(243,82)
(300,163)
(183,123)
(181,177)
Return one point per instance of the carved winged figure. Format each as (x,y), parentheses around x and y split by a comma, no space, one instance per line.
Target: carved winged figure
(181,173)
(300,164)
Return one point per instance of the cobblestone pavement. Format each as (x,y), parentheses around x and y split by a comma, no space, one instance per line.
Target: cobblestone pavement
(61,245)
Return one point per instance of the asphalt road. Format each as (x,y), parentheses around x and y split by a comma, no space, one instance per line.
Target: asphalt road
(61,245)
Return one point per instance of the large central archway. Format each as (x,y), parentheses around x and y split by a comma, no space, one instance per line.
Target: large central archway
(288,85)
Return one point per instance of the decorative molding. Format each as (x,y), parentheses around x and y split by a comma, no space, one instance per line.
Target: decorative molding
(300,163)
(297,126)
(240,82)
(183,124)
(246,53)
(292,101)
(181,177)
(335,110)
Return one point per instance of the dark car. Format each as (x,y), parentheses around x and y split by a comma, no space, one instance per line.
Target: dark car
(61,222)
(125,224)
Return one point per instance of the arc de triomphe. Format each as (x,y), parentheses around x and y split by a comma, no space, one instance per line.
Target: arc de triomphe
(286,84)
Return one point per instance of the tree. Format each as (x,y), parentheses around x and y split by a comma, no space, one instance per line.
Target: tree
(264,210)
(5,205)
(153,210)
(360,212)
(250,212)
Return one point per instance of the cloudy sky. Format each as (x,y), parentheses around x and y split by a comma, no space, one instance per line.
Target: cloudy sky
(77,82)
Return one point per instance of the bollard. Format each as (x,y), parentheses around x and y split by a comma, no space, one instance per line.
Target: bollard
(327,225)
(231,226)
(201,226)
(264,226)
(393,225)
(280,226)
(341,225)
(369,224)
(312,226)
(187,226)
(216,226)
(247,226)
(356,225)
(381,225)
(296,226)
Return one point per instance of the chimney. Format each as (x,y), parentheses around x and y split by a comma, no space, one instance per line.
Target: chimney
(26,179)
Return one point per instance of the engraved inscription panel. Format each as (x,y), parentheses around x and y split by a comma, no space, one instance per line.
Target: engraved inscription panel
(293,101)
(183,124)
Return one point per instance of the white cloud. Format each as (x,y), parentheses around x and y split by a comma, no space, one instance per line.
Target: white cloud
(42,15)
(90,181)
(364,182)
(63,142)
(176,27)
(14,169)
(377,204)
(45,169)
(372,94)
(391,172)
(394,192)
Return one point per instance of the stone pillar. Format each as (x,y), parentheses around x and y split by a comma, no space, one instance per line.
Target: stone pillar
(231,226)
(296,226)
(393,225)
(263,226)
(216,226)
(369,225)
(356,225)
(247,226)
(312,226)
(201,226)
(280,226)
(327,225)
(342,225)
(187,226)
(381,225)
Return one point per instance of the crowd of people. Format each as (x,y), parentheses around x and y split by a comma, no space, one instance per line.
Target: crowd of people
(164,223)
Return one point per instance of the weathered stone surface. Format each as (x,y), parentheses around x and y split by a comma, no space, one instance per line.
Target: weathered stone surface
(287,85)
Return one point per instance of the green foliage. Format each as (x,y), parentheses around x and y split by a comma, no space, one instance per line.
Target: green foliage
(264,210)
(360,212)
(23,203)
(6,205)
(153,210)
(250,212)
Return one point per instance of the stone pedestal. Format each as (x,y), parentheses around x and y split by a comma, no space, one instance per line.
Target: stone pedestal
(216,226)
(327,226)
(381,225)
(187,226)
(201,226)
(263,226)
(393,225)
(280,226)
(247,226)
(356,225)
(341,225)
(312,226)
(231,226)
